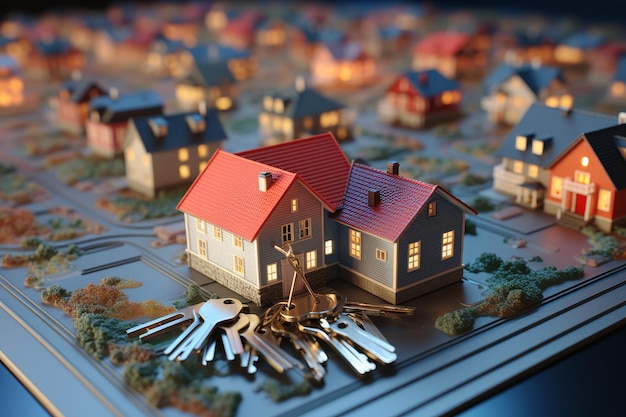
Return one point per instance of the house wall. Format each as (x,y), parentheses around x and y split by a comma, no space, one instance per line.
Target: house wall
(139,165)
(168,175)
(106,139)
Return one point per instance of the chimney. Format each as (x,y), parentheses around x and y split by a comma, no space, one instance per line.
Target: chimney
(300,84)
(393,167)
(621,118)
(114,93)
(265,180)
(373,197)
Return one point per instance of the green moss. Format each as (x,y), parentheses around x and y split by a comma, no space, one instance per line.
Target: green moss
(94,333)
(456,322)
(280,392)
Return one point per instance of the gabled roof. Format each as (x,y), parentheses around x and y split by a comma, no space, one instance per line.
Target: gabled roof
(78,89)
(605,143)
(562,126)
(443,43)
(307,102)
(209,74)
(535,78)
(216,52)
(226,194)
(620,70)
(401,200)
(179,130)
(430,83)
(318,160)
(142,103)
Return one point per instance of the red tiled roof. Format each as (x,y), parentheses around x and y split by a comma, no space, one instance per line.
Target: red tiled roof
(442,43)
(401,199)
(318,160)
(227,194)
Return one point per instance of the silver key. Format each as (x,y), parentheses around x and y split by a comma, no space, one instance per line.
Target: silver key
(276,357)
(233,333)
(355,361)
(213,312)
(365,322)
(208,353)
(384,310)
(168,322)
(375,348)
(312,353)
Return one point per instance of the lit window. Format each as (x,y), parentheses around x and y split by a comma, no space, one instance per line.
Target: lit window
(217,233)
(584,161)
(328,247)
(552,101)
(183,171)
(145,160)
(604,200)
(556,189)
(287,126)
(130,155)
(268,103)
(447,98)
(279,106)
(272,272)
(305,228)
(533,171)
(329,119)
(538,147)
(223,103)
(239,265)
(287,232)
(355,244)
(203,151)
(202,165)
(521,142)
(294,205)
(381,255)
(567,101)
(264,120)
(518,167)
(238,242)
(311,259)
(200,226)
(202,251)
(183,154)
(582,177)
(447,245)
(432,208)
(277,123)
(414,255)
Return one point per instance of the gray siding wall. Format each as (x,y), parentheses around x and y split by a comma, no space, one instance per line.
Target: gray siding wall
(331,232)
(429,231)
(222,253)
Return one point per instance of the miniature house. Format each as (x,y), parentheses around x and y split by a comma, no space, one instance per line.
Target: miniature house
(577,49)
(168,57)
(211,82)
(511,90)
(523,47)
(11,83)
(55,58)
(240,31)
(587,181)
(390,235)
(454,54)
(533,144)
(417,98)
(345,63)
(303,112)
(241,63)
(167,151)
(109,115)
(73,104)
(617,88)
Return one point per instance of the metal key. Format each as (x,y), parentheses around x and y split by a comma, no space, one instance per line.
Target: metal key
(384,310)
(213,312)
(356,362)
(313,354)
(233,331)
(365,322)
(377,349)
(157,326)
(276,357)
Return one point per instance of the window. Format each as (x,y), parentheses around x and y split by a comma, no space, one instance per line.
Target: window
(203,151)
(329,119)
(130,155)
(518,167)
(604,200)
(584,161)
(184,171)
(381,255)
(432,208)
(183,154)
(414,255)
(217,233)
(279,106)
(533,171)
(202,251)
(447,245)
(145,160)
(521,142)
(268,103)
(556,189)
(239,265)
(202,165)
(238,242)
(538,146)
(582,177)
(355,244)
(200,226)
(305,228)
(328,247)
(311,259)
(272,272)
(287,232)
(294,205)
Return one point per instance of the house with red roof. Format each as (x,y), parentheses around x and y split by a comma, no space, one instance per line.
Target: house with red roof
(454,54)
(418,98)
(393,236)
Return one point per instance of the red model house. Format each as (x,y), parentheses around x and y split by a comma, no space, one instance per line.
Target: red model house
(454,54)
(588,180)
(417,98)
(74,98)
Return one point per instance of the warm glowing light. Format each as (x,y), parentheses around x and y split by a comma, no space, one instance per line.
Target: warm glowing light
(345,74)
(584,161)
(223,103)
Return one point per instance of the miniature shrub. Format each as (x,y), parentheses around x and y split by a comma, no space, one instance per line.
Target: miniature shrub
(456,322)
(30,242)
(279,392)
(482,204)
(141,375)
(508,271)
(45,251)
(511,297)
(486,262)
(470,227)
(55,295)
(94,333)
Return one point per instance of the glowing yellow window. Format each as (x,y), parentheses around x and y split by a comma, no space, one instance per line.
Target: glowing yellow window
(272,272)
(355,244)
(604,200)
(145,160)
(533,171)
(521,142)
(328,247)
(414,255)
(202,165)
(294,205)
(538,146)
(268,103)
(552,101)
(203,151)
(183,154)
(311,259)
(184,171)
(279,106)
(518,167)
(582,177)
(447,98)
(130,155)
(567,101)
(556,188)
(447,245)
(217,233)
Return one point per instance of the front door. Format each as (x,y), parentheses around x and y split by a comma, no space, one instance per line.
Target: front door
(581,203)
(288,276)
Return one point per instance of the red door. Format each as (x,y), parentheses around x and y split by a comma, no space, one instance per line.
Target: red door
(581,201)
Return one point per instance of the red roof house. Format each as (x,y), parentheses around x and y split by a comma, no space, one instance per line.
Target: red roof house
(454,54)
